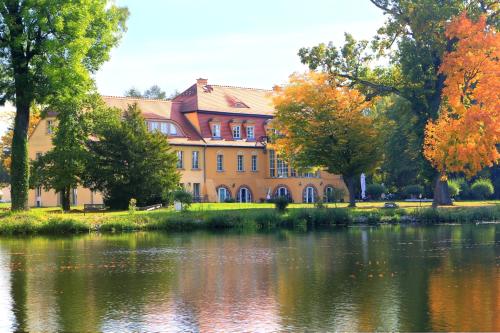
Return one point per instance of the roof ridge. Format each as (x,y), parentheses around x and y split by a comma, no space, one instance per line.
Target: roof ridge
(138,98)
(238,87)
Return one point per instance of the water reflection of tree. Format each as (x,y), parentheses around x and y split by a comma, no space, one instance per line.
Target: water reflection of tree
(87,280)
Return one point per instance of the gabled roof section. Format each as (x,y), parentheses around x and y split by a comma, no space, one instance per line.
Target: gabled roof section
(150,108)
(227,99)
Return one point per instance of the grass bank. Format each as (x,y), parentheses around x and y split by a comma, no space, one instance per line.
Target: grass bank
(262,218)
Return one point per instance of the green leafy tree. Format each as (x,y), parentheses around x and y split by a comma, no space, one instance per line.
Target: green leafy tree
(413,38)
(402,163)
(127,161)
(133,92)
(154,92)
(46,46)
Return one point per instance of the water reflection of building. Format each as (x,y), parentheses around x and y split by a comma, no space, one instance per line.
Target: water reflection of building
(229,287)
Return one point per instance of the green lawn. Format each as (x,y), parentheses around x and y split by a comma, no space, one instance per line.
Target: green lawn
(77,211)
(215,216)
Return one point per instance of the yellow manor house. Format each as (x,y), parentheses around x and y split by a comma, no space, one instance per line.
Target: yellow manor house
(219,135)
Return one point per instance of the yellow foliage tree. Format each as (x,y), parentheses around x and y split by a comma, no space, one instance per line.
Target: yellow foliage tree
(322,124)
(6,139)
(465,136)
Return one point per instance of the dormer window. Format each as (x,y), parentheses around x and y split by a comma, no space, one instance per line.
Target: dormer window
(215,127)
(216,130)
(236,132)
(163,127)
(250,132)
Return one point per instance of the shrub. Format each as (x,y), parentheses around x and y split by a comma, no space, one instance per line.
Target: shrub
(319,204)
(132,206)
(375,190)
(482,189)
(267,220)
(413,191)
(454,187)
(337,195)
(280,203)
(184,197)
(464,188)
(230,200)
(225,221)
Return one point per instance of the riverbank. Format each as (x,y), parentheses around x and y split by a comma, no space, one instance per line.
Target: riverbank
(253,219)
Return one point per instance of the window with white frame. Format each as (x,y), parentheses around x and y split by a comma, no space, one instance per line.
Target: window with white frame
(282,167)
(254,162)
(164,128)
(250,132)
(272,159)
(195,160)
(223,194)
(240,163)
(220,162)
(237,132)
(172,129)
(196,191)
(216,130)
(50,126)
(180,159)
(154,126)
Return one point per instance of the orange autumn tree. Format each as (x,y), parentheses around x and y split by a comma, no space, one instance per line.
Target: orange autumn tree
(465,136)
(324,125)
(6,139)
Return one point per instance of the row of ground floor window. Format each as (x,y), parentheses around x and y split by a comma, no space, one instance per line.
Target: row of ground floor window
(242,194)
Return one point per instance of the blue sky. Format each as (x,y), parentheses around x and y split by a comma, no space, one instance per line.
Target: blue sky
(243,43)
(230,42)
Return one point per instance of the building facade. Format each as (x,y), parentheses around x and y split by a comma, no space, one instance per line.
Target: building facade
(219,135)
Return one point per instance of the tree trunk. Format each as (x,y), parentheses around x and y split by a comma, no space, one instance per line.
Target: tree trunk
(20,162)
(351,183)
(441,193)
(65,200)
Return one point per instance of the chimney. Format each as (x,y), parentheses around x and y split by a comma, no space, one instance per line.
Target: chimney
(202,82)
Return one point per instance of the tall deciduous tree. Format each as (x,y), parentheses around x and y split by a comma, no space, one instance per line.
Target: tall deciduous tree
(45,46)
(129,162)
(465,136)
(413,37)
(154,92)
(326,126)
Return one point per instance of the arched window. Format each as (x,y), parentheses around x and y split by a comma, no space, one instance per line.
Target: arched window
(282,191)
(309,194)
(244,195)
(164,127)
(223,194)
(328,194)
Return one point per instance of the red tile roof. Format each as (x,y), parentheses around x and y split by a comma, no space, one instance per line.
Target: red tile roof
(228,99)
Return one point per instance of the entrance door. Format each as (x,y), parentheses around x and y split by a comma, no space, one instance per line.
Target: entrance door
(282,192)
(309,195)
(223,194)
(244,195)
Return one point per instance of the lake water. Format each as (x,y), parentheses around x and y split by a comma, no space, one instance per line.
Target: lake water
(399,278)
